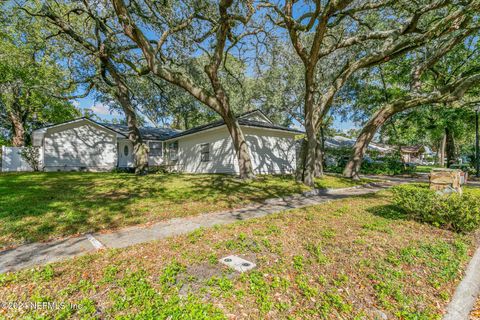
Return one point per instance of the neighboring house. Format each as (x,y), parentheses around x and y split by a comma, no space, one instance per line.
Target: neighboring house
(409,153)
(415,154)
(344,143)
(86,145)
(337,142)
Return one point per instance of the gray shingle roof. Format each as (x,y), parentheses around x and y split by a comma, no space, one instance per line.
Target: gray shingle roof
(151,133)
(241,121)
(253,123)
(147,133)
(344,142)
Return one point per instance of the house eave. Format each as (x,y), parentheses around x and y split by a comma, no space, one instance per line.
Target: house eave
(292,131)
(44,129)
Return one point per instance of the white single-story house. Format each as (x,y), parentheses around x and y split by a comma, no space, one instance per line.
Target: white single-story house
(86,145)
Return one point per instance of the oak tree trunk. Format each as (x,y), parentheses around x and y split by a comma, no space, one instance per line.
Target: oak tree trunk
(301,159)
(240,144)
(318,173)
(140,149)
(311,157)
(18,129)
(450,147)
(320,157)
(352,169)
(310,130)
(441,151)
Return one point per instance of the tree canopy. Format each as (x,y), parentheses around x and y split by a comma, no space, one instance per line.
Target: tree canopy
(390,66)
(33,87)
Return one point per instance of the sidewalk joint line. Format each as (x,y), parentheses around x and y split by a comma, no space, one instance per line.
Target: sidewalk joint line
(96,244)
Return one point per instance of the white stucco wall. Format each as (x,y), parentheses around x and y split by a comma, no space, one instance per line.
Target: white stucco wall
(80,146)
(272,152)
(155,161)
(222,156)
(12,160)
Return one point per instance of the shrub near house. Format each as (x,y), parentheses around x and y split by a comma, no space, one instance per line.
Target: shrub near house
(383,165)
(460,213)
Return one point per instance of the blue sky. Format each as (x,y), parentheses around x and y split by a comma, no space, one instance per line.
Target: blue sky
(98,108)
(344,125)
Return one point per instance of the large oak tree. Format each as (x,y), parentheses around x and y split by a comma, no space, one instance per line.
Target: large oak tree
(335,39)
(97,52)
(183,31)
(442,72)
(33,90)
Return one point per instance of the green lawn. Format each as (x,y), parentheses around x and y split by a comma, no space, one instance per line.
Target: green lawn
(357,258)
(425,169)
(40,206)
(335,182)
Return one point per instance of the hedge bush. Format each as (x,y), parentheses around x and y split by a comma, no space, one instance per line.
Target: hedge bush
(460,213)
(388,166)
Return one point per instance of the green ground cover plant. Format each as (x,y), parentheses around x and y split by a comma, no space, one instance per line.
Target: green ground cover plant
(356,258)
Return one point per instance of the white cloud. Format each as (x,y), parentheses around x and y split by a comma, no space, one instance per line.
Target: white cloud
(101,109)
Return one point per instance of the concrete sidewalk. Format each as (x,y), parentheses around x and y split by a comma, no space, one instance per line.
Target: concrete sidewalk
(466,294)
(42,253)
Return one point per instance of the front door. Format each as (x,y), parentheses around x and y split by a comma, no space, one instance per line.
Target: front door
(125,154)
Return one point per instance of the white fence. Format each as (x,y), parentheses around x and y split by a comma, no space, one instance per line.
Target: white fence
(12,160)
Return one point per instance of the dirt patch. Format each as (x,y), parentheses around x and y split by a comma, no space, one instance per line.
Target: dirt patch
(475,314)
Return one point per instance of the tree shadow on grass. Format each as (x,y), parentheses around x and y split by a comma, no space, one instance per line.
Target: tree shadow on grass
(36,206)
(389,211)
(39,206)
(234,190)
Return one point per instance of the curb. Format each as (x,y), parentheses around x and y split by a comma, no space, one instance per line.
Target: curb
(467,291)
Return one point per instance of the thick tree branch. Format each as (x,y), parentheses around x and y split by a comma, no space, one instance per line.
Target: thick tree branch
(136,35)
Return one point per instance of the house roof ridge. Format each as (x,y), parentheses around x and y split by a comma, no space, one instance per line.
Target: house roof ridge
(168,133)
(141,127)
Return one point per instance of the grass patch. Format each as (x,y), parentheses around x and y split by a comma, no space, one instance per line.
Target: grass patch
(334,182)
(425,169)
(40,206)
(361,263)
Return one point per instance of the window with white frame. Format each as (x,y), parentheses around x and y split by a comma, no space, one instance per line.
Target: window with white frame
(205,152)
(173,150)
(155,149)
